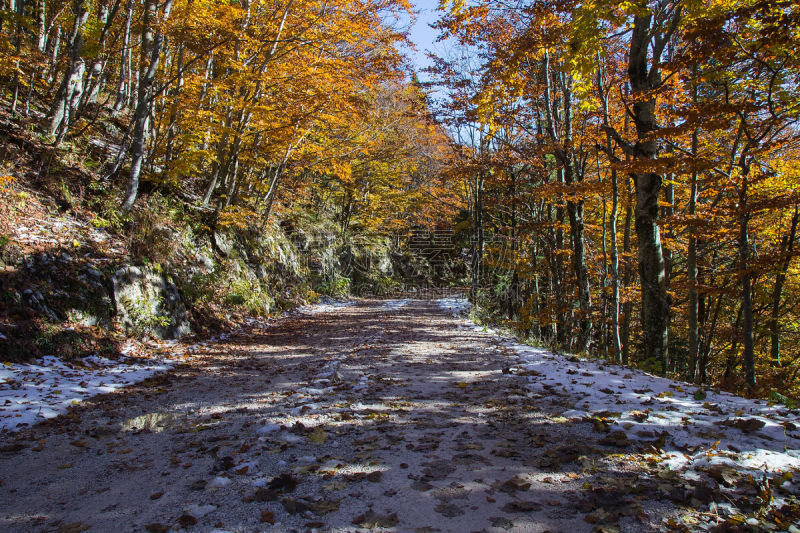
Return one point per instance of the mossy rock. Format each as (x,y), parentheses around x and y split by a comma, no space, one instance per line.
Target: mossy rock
(149,303)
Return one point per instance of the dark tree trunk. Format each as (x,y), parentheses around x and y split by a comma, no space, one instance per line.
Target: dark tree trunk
(563,151)
(616,341)
(478,236)
(20,14)
(748,355)
(691,274)
(627,278)
(787,249)
(655,302)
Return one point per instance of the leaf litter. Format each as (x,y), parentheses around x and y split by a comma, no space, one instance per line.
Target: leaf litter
(373,430)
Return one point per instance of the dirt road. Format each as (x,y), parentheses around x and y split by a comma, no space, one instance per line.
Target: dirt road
(372,416)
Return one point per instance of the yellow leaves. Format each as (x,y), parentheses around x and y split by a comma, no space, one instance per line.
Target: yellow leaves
(236,216)
(629,8)
(6,181)
(317,436)
(456,6)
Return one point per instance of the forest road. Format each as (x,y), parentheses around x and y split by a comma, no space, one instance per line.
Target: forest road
(390,416)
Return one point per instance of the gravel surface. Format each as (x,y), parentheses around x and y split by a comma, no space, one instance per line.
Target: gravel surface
(361,418)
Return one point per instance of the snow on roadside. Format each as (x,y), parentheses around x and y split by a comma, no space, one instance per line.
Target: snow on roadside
(324,306)
(30,393)
(752,433)
(396,304)
(455,306)
(697,429)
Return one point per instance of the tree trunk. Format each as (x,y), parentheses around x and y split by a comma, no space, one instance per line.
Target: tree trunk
(748,355)
(217,166)
(604,277)
(564,155)
(563,326)
(150,54)
(69,92)
(655,302)
(575,213)
(41,20)
(616,341)
(173,114)
(477,245)
(512,297)
(20,14)
(97,70)
(787,248)
(691,274)
(124,72)
(705,339)
(730,362)
(628,274)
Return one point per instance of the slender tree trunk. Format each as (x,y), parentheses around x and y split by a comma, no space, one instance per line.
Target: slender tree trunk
(41,20)
(748,355)
(564,155)
(53,62)
(173,114)
(97,70)
(615,337)
(124,71)
(616,341)
(705,342)
(787,249)
(514,286)
(217,166)
(477,247)
(730,362)
(628,273)
(535,298)
(563,326)
(605,271)
(20,7)
(691,274)
(69,92)
(575,212)
(270,196)
(151,52)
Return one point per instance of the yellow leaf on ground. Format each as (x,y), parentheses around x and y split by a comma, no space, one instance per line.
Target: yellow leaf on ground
(317,436)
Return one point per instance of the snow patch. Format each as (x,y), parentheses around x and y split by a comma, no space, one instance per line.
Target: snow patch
(754,435)
(268,428)
(199,511)
(646,407)
(30,393)
(454,306)
(325,305)
(219,482)
(396,304)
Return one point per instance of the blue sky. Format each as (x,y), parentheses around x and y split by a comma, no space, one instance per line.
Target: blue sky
(424,37)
